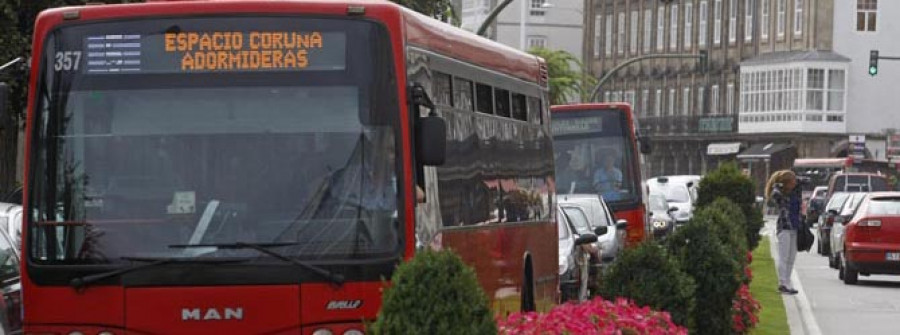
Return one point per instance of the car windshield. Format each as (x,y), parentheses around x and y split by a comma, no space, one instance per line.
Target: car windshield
(852,203)
(673,193)
(181,145)
(594,155)
(837,200)
(658,203)
(578,220)
(884,206)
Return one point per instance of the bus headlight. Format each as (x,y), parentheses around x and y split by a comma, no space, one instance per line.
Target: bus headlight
(322,331)
(353,332)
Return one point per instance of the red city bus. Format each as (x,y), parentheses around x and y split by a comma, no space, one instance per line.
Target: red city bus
(597,151)
(260,166)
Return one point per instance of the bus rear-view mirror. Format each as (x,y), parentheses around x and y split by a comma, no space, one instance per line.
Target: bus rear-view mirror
(4,99)
(431,141)
(644,145)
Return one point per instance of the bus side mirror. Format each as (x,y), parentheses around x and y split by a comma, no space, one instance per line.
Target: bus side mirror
(644,144)
(4,96)
(431,131)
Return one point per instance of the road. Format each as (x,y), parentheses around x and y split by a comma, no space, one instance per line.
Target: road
(827,306)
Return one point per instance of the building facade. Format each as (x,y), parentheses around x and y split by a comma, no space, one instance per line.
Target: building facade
(774,81)
(554,25)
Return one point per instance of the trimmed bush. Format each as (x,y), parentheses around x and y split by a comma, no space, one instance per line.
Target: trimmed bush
(434,293)
(728,225)
(649,276)
(727,181)
(715,272)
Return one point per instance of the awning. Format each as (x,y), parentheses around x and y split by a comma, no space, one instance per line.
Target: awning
(715,149)
(763,150)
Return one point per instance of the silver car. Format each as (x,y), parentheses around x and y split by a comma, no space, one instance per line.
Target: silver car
(598,213)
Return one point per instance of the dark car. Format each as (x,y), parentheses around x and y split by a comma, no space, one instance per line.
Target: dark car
(871,239)
(813,206)
(661,222)
(826,220)
(843,215)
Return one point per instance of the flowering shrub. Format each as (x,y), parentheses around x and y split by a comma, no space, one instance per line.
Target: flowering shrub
(745,310)
(596,316)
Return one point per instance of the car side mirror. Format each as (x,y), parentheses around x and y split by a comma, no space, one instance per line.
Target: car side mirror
(621,224)
(602,230)
(585,239)
(839,219)
(672,209)
(833,212)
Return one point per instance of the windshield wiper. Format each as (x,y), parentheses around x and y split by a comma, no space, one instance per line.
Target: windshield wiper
(335,278)
(79,283)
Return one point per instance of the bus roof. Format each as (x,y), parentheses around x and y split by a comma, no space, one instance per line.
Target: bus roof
(596,105)
(420,30)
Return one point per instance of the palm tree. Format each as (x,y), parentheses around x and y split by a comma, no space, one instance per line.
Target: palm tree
(566,75)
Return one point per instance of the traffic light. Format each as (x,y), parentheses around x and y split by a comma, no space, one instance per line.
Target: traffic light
(704,61)
(873,62)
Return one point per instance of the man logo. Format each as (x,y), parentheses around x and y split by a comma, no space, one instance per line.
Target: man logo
(343,304)
(211,314)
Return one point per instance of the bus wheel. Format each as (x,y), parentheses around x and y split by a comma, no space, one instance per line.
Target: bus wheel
(528,287)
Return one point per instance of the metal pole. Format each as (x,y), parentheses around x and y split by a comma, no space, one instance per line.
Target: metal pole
(491,16)
(10,63)
(629,62)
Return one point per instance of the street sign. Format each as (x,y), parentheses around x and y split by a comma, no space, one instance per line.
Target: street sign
(857,148)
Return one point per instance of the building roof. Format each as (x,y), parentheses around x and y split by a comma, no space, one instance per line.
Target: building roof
(796,56)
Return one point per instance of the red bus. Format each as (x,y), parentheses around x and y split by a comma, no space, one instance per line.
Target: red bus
(597,151)
(261,166)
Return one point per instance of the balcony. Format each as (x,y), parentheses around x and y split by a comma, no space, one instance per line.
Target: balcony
(688,125)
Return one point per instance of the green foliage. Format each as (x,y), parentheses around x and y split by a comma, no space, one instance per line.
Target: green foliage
(727,181)
(434,293)
(706,259)
(728,223)
(649,276)
(439,9)
(566,76)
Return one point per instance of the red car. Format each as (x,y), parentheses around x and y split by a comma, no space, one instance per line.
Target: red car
(871,239)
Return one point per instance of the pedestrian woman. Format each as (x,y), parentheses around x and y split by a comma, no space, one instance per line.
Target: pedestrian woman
(784,196)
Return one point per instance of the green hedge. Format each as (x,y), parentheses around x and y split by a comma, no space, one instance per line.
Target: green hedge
(434,293)
(649,276)
(729,225)
(708,261)
(727,181)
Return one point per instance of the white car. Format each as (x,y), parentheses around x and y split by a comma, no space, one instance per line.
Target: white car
(610,244)
(11,222)
(680,191)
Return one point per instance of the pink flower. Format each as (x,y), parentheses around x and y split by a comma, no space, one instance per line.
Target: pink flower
(596,316)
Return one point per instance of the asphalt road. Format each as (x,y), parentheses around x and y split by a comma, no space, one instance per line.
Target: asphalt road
(827,306)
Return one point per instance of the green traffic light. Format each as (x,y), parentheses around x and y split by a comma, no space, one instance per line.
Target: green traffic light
(873,70)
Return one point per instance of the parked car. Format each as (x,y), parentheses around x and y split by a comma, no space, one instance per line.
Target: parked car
(588,261)
(599,215)
(11,222)
(871,239)
(10,286)
(661,223)
(857,182)
(573,260)
(680,191)
(837,228)
(812,207)
(826,220)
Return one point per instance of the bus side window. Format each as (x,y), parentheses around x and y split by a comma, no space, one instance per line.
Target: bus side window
(484,99)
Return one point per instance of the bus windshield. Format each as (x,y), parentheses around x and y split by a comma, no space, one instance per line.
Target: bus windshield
(594,154)
(163,132)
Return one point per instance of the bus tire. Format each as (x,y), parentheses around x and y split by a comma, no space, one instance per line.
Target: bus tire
(527,304)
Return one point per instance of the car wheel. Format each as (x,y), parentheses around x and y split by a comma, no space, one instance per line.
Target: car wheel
(850,275)
(819,246)
(832,261)
(840,267)
(826,248)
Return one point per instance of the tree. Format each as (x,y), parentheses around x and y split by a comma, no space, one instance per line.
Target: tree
(439,9)
(567,79)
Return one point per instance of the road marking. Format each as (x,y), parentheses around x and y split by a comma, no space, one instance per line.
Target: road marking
(809,320)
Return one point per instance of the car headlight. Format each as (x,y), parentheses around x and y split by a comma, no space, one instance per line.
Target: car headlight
(659,224)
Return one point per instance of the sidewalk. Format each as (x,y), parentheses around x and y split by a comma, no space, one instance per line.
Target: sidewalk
(799,311)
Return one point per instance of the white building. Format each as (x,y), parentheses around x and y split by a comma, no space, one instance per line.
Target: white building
(861,26)
(551,24)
